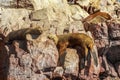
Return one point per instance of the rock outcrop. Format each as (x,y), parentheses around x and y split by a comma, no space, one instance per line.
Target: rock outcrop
(35,57)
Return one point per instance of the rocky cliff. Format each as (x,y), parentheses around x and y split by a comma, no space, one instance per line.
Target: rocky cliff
(27,53)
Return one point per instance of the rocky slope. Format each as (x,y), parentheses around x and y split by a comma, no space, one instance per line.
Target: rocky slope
(35,57)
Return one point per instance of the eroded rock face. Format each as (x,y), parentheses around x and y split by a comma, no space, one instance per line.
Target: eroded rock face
(28,59)
(36,59)
(41,50)
(106,36)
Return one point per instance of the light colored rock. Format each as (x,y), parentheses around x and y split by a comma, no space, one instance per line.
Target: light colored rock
(59,70)
(14,19)
(71,62)
(39,4)
(59,10)
(39,15)
(1,9)
(77,12)
(93,3)
(107,6)
(76,27)
(39,77)
(83,2)
(117,9)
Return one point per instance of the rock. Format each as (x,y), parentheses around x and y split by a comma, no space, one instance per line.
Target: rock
(56,5)
(43,52)
(39,77)
(38,4)
(108,70)
(55,12)
(37,58)
(117,9)
(99,33)
(39,15)
(117,67)
(59,30)
(95,4)
(112,72)
(113,54)
(20,19)
(76,27)
(78,13)
(83,2)
(1,9)
(28,60)
(114,31)
(108,6)
(102,33)
(59,71)
(111,78)
(19,47)
(104,5)
(71,64)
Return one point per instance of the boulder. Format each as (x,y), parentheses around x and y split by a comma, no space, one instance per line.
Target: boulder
(10,22)
(39,15)
(40,50)
(77,12)
(71,64)
(31,59)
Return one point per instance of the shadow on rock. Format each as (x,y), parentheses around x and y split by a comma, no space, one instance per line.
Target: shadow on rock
(4,60)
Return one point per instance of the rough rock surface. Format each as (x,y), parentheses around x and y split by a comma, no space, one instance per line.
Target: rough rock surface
(107,42)
(71,69)
(37,58)
(19,20)
(29,60)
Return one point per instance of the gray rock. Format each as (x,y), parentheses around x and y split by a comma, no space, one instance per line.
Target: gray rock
(39,15)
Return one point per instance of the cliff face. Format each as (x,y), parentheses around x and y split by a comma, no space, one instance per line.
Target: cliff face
(36,57)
